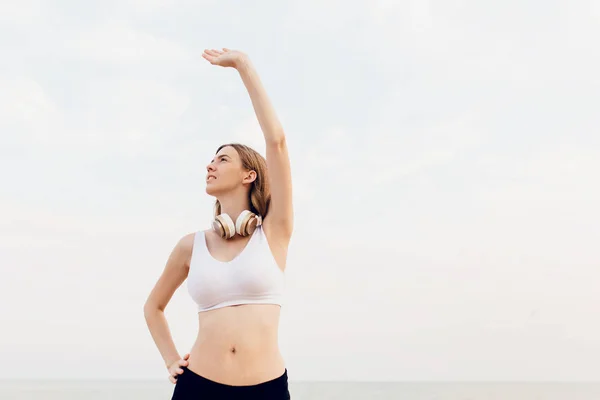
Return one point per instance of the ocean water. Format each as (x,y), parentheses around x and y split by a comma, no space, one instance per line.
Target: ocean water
(153,390)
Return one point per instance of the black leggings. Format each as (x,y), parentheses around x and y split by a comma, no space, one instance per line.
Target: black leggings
(190,386)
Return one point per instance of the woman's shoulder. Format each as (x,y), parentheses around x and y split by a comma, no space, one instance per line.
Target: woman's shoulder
(185,244)
(187,240)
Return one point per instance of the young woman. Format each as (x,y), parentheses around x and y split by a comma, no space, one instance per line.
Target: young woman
(235,269)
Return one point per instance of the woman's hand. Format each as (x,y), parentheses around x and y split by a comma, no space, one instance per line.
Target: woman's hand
(225,58)
(175,368)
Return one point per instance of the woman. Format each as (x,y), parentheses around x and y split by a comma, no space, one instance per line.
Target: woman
(235,269)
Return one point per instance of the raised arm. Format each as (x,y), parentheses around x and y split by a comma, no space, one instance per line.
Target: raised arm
(280,218)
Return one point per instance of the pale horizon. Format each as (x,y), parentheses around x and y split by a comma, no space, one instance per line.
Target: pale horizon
(444,163)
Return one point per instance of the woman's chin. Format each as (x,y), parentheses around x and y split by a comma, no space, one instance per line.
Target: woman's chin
(215,190)
(211,190)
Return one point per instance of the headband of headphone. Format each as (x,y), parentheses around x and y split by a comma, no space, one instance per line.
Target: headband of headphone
(245,224)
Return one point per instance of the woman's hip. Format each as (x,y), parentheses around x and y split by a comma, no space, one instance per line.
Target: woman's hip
(192,385)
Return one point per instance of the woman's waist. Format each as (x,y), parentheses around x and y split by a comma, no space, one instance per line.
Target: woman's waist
(238,344)
(237,369)
(247,361)
(230,353)
(238,340)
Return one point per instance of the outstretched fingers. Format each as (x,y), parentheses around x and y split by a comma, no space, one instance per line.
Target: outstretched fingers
(213,52)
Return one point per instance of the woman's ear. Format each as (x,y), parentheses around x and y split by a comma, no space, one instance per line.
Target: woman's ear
(250,176)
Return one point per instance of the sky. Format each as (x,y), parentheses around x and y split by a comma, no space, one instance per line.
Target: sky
(445,159)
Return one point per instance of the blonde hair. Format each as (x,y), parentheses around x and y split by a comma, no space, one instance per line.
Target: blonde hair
(260,192)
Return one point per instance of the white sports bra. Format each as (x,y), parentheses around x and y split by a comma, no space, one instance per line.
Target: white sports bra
(252,277)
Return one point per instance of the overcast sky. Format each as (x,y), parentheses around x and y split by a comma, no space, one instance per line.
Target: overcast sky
(446,169)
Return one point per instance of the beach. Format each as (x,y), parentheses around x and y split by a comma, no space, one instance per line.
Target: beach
(154,390)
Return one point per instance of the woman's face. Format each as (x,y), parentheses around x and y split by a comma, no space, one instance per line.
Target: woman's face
(224,172)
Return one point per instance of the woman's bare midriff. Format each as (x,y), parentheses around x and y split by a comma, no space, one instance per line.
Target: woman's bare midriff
(238,345)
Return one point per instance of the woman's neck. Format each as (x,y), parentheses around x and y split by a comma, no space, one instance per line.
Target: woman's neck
(233,206)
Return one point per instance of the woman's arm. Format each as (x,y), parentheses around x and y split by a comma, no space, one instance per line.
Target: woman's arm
(174,274)
(280,217)
(267,118)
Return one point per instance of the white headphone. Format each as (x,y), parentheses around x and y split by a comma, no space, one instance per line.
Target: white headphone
(245,224)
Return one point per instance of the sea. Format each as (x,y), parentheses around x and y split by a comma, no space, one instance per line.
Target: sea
(154,390)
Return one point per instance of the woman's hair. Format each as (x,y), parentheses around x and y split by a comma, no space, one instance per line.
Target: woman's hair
(260,192)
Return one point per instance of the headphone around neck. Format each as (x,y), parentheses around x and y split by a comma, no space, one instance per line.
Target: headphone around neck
(245,224)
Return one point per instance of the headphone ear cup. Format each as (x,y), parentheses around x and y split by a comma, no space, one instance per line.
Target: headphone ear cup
(223,225)
(246,223)
(217,226)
